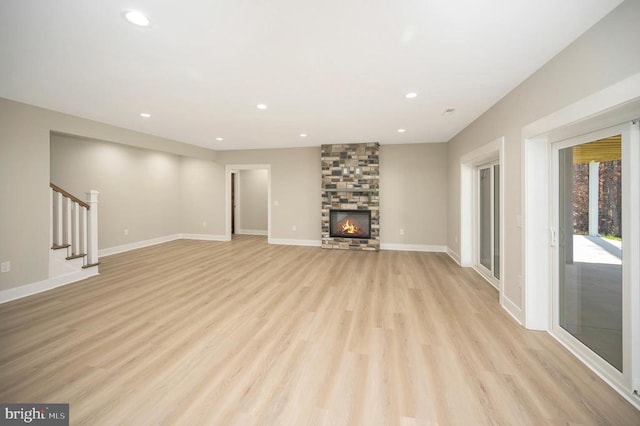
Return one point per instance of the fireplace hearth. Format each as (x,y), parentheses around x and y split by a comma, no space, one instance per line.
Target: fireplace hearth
(350,223)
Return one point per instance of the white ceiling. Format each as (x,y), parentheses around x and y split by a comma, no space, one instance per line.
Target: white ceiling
(336,70)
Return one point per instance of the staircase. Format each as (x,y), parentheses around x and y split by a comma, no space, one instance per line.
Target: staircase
(74,235)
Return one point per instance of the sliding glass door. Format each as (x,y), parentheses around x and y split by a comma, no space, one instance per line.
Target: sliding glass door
(488,247)
(591,245)
(595,243)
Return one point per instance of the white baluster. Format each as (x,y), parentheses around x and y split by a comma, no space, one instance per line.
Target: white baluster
(75,228)
(57,234)
(92,227)
(83,232)
(52,195)
(66,239)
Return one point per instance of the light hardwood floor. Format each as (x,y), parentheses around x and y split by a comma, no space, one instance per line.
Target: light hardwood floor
(195,332)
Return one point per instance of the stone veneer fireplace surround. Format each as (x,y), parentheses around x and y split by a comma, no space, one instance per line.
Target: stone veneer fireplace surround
(350,181)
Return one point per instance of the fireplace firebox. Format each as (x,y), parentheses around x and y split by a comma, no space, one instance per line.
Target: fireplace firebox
(350,223)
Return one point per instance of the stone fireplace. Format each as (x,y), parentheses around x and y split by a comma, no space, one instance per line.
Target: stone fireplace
(350,199)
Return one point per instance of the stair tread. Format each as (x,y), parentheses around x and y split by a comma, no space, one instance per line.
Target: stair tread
(91,265)
(59,247)
(76,256)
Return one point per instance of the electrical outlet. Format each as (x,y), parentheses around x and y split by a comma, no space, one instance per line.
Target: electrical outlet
(401,231)
(294,228)
(204,224)
(126,232)
(276,203)
(5,266)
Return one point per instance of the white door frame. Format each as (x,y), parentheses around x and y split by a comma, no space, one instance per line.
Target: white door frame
(228,169)
(493,152)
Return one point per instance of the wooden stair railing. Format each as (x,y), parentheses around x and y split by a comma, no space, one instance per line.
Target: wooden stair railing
(75,225)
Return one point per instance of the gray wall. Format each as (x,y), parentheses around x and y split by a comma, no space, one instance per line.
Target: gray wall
(252,200)
(24,180)
(139,189)
(604,55)
(202,207)
(150,193)
(413,194)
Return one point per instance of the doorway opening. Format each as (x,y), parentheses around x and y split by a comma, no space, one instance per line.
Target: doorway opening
(248,200)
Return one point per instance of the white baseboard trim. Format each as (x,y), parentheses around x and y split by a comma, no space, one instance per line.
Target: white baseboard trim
(204,237)
(455,256)
(252,232)
(44,285)
(413,247)
(140,244)
(159,240)
(291,242)
(511,308)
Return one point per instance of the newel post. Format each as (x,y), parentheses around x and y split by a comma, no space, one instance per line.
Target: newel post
(92,227)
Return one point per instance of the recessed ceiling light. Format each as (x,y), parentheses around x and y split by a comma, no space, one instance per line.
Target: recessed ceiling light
(411,95)
(219,139)
(137,18)
(303,135)
(261,106)
(145,114)
(401,130)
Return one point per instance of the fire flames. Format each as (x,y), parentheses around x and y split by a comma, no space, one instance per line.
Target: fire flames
(350,228)
(350,225)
